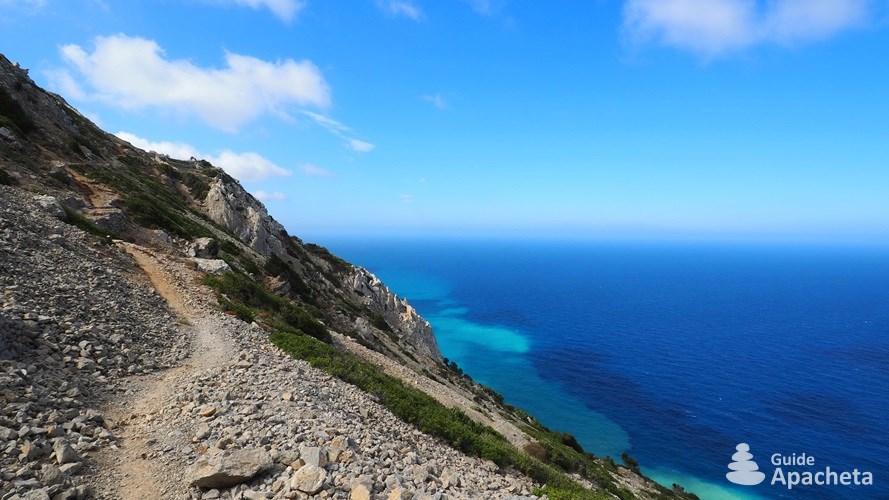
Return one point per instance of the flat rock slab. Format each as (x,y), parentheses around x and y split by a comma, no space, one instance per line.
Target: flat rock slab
(223,469)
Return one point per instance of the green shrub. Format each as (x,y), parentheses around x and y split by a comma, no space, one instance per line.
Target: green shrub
(274,266)
(630,462)
(14,114)
(80,221)
(197,186)
(240,289)
(5,178)
(148,211)
(230,248)
(250,266)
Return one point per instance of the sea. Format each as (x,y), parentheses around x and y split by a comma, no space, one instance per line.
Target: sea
(673,352)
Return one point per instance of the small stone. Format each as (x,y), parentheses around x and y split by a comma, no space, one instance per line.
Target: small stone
(64,452)
(359,492)
(202,433)
(207,411)
(51,475)
(313,455)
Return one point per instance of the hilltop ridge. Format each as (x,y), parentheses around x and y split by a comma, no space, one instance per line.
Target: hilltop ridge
(151,312)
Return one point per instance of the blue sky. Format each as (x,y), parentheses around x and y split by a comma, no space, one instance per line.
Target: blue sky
(600,119)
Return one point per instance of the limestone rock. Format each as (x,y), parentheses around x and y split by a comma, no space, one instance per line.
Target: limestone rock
(212,266)
(360,492)
(51,206)
(223,469)
(203,248)
(308,479)
(313,455)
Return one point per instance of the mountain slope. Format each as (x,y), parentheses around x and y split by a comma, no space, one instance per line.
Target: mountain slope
(311,304)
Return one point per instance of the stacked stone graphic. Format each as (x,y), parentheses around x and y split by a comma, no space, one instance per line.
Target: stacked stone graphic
(744,470)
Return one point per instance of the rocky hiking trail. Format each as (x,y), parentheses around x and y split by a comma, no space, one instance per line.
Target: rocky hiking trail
(300,432)
(140,476)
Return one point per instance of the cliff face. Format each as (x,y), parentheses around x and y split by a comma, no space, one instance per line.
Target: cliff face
(411,328)
(230,206)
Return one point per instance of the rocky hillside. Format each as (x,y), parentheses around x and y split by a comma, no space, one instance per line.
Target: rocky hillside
(164,337)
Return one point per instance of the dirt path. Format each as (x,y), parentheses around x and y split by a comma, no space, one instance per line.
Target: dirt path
(141,473)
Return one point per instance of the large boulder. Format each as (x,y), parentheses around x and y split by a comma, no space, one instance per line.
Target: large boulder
(227,468)
(212,266)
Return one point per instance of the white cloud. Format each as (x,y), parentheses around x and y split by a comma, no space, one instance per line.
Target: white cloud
(178,150)
(360,146)
(327,122)
(402,8)
(246,167)
(133,73)
(436,100)
(803,20)
(316,171)
(406,198)
(342,131)
(264,196)
(25,3)
(287,10)
(716,27)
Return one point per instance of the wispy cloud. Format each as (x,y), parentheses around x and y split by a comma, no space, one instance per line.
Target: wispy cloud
(23,3)
(407,199)
(436,100)
(287,10)
(264,196)
(316,171)
(342,131)
(716,27)
(402,8)
(247,167)
(360,146)
(486,7)
(133,73)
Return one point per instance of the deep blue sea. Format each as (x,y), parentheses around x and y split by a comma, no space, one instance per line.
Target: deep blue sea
(673,352)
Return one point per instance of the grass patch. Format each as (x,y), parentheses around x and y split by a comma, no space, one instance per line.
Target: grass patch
(246,297)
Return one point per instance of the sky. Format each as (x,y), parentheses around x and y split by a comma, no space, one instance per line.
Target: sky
(663,119)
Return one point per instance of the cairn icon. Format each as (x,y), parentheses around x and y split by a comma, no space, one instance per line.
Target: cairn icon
(744,470)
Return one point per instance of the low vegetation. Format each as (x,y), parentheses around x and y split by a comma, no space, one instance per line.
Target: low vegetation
(13,116)
(5,178)
(250,300)
(80,221)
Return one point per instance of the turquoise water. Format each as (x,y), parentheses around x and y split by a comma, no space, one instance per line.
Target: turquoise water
(674,353)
